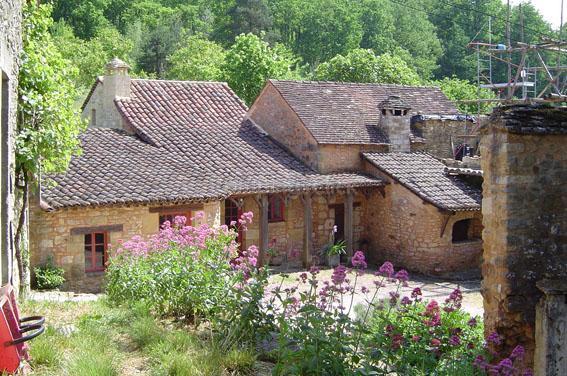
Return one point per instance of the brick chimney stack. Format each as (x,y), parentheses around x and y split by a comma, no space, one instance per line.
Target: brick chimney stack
(395,121)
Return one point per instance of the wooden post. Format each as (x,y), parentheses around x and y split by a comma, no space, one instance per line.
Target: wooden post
(307,229)
(349,222)
(263,205)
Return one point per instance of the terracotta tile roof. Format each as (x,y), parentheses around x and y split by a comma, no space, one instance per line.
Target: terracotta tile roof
(425,176)
(191,143)
(348,113)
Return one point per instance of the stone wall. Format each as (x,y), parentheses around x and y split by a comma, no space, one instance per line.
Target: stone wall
(344,157)
(525,220)
(10,47)
(415,235)
(437,134)
(272,113)
(288,235)
(51,236)
(100,108)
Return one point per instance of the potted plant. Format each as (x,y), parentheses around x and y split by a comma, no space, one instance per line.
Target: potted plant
(49,276)
(274,257)
(334,252)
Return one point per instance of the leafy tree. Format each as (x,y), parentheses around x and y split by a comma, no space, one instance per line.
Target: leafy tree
(378,22)
(246,16)
(362,65)
(251,61)
(48,123)
(456,90)
(327,28)
(90,56)
(197,59)
(85,16)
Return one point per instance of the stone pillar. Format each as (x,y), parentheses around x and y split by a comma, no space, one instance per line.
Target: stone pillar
(395,122)
(551,329)
(524,217)
(307,229)
(263,205)
(349,223)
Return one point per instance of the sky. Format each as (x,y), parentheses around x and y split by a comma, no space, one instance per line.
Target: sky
(550,10)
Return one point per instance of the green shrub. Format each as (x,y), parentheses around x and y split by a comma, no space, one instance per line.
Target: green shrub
(49,276)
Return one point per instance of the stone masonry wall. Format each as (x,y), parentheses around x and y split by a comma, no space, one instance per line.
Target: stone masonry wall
(438,133)
(51,236)
(525,217)
(10,47)
(344,157)
(406,231)
(272,113)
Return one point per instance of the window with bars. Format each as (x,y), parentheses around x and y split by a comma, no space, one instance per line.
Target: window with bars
(96,251)
(276,209)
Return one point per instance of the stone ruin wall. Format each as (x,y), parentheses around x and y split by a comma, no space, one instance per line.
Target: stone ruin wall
(437,134)
(524,217)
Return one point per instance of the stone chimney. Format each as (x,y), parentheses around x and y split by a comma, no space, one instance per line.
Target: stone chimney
(395,121)
(101,109)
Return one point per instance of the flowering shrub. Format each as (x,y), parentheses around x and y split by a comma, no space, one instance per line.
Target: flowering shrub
(195,272)
(309,326)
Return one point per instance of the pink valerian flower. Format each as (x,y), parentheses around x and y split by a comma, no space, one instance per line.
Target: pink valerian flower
(453,302)
(246,262)
(394,297)
(364,290)
(480,362)
(397,340)
(314,270)
(506,367)
(303,277)
(431,308)
(232,223)
(416,294)
(405,301)
(435,342)
(358,260)
(518,352)
(472,322)
(454,340)
(415,338)
(494,338)
(339,275)
(528,372)
(435,320)
(402,275)
(386,270)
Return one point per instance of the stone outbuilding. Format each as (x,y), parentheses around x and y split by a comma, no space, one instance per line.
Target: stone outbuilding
(155,149)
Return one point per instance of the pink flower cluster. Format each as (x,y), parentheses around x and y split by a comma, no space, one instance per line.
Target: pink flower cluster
(246,261)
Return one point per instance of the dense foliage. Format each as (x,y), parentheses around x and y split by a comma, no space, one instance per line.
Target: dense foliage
(164,38)
(49,276)
(48,121)
(307,326)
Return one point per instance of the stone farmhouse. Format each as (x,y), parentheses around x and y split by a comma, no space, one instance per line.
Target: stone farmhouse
(10,46)
(304,158)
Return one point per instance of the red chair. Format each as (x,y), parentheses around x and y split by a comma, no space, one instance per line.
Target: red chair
(13,347)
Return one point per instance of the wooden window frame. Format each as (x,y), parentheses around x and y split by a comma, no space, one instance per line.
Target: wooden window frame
(272,218)
(187,215)
(92,245)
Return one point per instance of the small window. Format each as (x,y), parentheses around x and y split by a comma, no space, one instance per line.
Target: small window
(466,230)
(383,111)
(397,112)
(171,217)
(276,209)
(93,117)
(96,251)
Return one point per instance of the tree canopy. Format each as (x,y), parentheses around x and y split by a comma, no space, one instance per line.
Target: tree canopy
(156,37)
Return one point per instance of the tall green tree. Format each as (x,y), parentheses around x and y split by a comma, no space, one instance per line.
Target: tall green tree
(198,59)
(245,16)
(48,122)
(458,90)
(362,65)
(327,28)
(90,56)
(251,61)
(85,16)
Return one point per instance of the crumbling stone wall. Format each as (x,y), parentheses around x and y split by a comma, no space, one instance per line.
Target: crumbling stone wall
(524,216)
(437,134)
(51,235)
(10,47)
(415,235)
